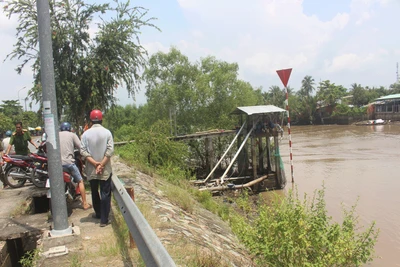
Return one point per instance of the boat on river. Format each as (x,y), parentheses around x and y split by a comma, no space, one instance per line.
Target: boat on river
(372,122)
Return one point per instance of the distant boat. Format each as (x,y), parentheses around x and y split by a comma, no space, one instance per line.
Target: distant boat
(373,122)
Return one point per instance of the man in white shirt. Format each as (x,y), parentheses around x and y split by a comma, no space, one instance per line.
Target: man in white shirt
(97,147)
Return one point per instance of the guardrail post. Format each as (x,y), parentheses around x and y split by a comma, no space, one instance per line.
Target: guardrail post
(131,193)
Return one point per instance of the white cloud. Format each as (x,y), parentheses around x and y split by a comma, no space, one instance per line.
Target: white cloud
(265,35)
(363,17)
(266,63)
(363,10)
(154,47)
(354,62)
(188,3)
(270,34)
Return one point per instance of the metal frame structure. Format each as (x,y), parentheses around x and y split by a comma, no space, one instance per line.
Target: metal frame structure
(263,169)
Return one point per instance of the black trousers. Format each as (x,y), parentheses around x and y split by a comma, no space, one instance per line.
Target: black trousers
(101,201)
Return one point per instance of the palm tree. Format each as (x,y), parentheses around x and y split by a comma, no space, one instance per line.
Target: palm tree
(305,95)
(276,96)
(307,86)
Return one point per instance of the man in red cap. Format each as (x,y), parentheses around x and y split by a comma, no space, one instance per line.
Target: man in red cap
(97,147)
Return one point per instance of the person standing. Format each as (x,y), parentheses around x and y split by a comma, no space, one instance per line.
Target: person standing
(97,147)
(68,143)
(20,139)
(6,142)
(1,166)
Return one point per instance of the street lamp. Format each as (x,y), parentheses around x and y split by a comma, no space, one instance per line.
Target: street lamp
(26,98)
(20,90)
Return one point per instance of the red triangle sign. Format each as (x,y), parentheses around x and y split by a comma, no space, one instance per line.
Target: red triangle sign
(284,75)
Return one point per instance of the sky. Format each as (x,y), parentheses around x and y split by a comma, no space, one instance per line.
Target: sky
(344,41)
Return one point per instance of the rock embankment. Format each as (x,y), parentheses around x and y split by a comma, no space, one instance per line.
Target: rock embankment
(199,231)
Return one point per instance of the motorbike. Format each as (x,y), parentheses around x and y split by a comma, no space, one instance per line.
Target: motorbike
(72,191)
(19,169)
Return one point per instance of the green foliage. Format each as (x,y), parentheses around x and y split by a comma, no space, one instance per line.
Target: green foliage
(306,103)
(294,232)
(359,95)
(153,148)
(88,70)
(195,96)
(11,108)
(243,202)
(30,258)
(330,93)
(32,119)
(126,133)
(180,197)
(275,96)
(346,110)
(11,112)
(206,199)
(118,116)
(6,123)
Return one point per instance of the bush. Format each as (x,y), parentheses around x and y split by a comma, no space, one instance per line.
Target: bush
(345,110)
(291,232)
(125,133)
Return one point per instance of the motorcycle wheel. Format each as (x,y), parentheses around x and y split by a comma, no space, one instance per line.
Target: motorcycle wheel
(39,180)
(10,181)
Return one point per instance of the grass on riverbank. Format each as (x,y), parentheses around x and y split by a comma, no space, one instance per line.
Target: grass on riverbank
(290,232)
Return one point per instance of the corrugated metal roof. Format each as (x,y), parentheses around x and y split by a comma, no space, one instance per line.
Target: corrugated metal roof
(387,97)
(250,110)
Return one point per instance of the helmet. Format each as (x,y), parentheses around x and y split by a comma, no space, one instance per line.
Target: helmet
(65,126)
(8,133)
(96,115)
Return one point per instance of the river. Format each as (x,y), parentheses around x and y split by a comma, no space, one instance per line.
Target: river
(352,161)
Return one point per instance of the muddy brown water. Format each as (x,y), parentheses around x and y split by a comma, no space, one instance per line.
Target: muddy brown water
(352,161)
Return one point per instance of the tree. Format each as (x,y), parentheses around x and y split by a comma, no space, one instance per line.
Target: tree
(394,88)
(195,96)
(170,88)
(117,116)
(11,108)
(330,93)
(88,70)
(276,96)
(308,102)
(32,119)
(6,123)
(360,97)
(307,87)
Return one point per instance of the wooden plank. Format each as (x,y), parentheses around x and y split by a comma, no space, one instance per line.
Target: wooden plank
(203,135)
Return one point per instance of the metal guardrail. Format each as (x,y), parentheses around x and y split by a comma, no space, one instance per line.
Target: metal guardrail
(150,247)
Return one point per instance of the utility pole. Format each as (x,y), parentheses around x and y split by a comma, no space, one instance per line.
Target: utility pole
(58,202)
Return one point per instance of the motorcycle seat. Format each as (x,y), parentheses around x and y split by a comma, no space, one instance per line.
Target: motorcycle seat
(20,157)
